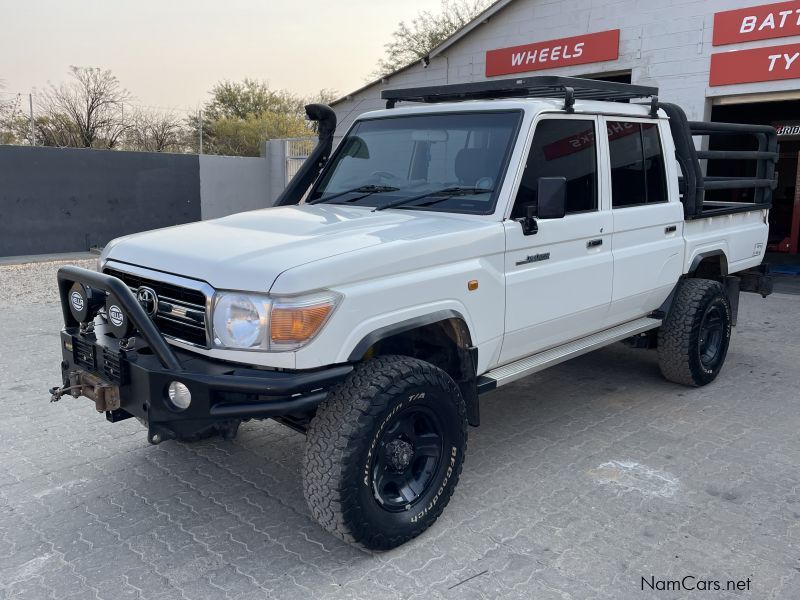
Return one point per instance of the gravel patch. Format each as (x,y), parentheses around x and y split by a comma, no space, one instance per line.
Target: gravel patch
(36,282)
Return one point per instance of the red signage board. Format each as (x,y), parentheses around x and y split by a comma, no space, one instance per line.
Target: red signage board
(578,50)
(758,64)
(757,23)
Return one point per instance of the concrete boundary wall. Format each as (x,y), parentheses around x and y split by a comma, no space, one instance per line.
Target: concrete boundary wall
(56,200)
(231,184)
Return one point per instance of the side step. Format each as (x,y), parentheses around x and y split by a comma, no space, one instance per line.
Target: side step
(548,358)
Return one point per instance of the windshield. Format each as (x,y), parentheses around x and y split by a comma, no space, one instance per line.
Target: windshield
(450,162)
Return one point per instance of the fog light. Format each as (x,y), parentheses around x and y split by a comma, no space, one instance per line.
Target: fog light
(179,395)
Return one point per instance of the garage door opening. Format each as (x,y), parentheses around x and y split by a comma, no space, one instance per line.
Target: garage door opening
(784,221)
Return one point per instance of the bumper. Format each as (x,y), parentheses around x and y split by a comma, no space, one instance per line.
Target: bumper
(221,393)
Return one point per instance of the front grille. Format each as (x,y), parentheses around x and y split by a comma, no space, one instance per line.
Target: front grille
(181,311)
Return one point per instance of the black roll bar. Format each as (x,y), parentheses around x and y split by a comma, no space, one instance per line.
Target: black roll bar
(100,281)
(694,183)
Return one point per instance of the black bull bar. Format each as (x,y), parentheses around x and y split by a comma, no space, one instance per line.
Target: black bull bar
(222,392)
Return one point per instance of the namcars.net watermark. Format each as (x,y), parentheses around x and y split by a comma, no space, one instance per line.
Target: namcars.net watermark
(691,583)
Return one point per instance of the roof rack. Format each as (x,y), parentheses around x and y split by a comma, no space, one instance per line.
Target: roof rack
(571,88)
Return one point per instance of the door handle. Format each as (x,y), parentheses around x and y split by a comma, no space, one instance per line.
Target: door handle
(594,243)
(670,229)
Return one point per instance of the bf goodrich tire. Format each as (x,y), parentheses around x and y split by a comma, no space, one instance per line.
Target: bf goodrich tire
(384,452)
(693,340)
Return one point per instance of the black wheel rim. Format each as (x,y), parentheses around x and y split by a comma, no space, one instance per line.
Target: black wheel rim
(712,334)
(407,458)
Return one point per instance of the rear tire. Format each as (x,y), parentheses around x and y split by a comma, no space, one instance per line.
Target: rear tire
(384,452)
(693,340)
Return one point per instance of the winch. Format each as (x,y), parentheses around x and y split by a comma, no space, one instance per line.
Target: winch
(104,395)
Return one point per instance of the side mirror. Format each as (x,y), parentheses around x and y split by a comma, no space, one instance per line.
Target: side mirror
(552,198)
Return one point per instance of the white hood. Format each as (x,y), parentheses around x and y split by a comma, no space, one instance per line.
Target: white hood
(248,251)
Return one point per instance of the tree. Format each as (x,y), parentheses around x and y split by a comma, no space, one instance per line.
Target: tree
(237,100)
(85,112)
(242,115)
(154,131)
(243,137)
(324,96)
(413,41)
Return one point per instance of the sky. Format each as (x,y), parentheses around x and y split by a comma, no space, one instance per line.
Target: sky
(169,53)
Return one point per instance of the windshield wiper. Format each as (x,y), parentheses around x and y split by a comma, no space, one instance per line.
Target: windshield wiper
(367,190)
(446,193)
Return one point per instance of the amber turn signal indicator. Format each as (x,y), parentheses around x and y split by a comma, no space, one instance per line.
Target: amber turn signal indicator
(293,324)
(472,285)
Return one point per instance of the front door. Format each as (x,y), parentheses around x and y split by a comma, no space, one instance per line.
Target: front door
(558,280)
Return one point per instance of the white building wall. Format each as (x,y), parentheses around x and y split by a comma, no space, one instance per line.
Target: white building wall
(665,44)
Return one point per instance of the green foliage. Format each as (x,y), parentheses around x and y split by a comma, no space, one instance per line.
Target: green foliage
(413,41)
(242,115)
(243,137)
(238,100)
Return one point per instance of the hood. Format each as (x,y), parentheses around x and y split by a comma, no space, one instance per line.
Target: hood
(249,250)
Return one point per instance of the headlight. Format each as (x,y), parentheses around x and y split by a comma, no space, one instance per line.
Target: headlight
(278,324)
(240,320)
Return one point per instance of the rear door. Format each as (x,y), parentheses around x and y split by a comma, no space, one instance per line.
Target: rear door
(558,280)
(648,220)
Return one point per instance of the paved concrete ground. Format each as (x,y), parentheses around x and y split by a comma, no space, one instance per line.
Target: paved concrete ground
(581,481)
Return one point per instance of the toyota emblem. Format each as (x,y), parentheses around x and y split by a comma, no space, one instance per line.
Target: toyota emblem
(148,300)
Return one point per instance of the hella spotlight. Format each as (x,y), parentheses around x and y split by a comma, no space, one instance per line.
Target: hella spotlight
(84,302)
(118,322)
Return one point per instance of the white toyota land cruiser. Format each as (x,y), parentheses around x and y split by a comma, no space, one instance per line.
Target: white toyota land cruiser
(442,250)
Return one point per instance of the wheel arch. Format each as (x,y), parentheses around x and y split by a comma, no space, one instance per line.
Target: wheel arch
(442,338)
(711,264)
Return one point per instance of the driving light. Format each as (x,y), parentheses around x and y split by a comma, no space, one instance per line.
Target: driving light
(179,395)
(294,322)
(84,302)
(240,320)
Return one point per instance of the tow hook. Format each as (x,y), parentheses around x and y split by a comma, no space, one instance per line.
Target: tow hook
(57,392)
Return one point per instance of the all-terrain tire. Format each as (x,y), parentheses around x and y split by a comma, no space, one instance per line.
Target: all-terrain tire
(693,340)
(348,460)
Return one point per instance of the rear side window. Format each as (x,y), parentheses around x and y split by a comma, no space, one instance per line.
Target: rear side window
(637,164)
(561,148)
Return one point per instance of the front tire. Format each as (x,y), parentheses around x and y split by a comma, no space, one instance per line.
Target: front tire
(384,452)
(693,340)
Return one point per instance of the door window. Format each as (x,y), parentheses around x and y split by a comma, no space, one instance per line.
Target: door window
(637,164)
(561,148)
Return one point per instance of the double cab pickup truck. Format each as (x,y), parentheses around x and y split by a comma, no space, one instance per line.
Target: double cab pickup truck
(467,238)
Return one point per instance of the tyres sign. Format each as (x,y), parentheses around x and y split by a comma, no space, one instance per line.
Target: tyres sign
(757,64)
